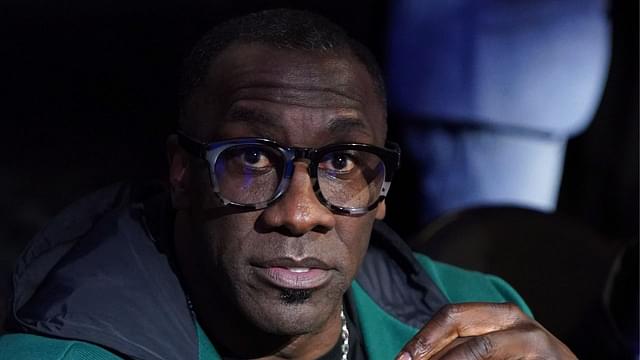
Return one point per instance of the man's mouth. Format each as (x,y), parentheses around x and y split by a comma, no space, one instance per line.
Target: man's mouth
(287,273)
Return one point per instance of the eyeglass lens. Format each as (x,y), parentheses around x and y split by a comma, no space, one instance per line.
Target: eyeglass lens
(350,179)
(251,174)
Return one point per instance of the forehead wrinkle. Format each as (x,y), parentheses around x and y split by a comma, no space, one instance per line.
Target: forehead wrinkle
(266,122)
(297,95)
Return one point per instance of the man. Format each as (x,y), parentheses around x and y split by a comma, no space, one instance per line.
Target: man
(270,247)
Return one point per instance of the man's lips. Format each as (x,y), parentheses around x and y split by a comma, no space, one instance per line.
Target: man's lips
(288,273)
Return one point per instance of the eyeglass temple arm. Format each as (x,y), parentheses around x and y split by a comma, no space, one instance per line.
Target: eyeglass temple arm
(395,147)
(192,146)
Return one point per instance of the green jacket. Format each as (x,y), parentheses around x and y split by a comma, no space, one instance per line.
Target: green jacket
(395,293)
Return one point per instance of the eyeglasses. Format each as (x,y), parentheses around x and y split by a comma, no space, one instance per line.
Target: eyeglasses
(252,173)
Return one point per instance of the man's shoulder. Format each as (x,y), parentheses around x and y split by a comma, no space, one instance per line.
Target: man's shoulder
(451,283)
(34,347)
(461,285)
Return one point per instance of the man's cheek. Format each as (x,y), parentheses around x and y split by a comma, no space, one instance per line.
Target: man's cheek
(231,227)
(355,231)
(219,246)
(356,239)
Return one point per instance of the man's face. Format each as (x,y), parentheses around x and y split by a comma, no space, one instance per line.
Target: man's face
(286,267)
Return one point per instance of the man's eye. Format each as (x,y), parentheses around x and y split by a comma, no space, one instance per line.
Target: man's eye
(255,158)
(338,162)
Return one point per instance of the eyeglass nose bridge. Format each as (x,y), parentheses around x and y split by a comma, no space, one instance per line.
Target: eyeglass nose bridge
(296,154)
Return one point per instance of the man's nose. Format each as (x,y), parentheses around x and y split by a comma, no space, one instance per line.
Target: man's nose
(298,211)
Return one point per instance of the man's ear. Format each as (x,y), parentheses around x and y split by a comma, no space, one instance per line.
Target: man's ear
(381,210)
(178,173)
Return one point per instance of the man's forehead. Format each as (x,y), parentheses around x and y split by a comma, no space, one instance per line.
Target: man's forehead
(330,81)
(295,126)
(259,65)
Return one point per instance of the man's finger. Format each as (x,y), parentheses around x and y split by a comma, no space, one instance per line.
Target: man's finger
(461,320)
(523,342)
(491,346)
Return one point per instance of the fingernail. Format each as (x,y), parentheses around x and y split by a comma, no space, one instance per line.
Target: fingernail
(404,356)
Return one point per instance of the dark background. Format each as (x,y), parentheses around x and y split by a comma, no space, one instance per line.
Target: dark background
(90,94)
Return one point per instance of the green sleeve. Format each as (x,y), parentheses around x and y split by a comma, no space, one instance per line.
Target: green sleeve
(460,285)
(33,347)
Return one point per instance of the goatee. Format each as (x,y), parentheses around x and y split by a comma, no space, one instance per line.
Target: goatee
(295,296)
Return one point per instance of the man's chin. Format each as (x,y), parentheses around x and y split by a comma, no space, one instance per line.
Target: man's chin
(295,312)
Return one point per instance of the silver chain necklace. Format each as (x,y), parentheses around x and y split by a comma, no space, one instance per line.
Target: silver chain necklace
(345,335)
(343,320)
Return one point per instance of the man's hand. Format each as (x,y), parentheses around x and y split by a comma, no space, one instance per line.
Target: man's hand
(483,331)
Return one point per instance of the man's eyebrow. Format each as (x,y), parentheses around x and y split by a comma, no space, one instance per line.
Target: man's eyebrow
(256,119)
(346,124)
